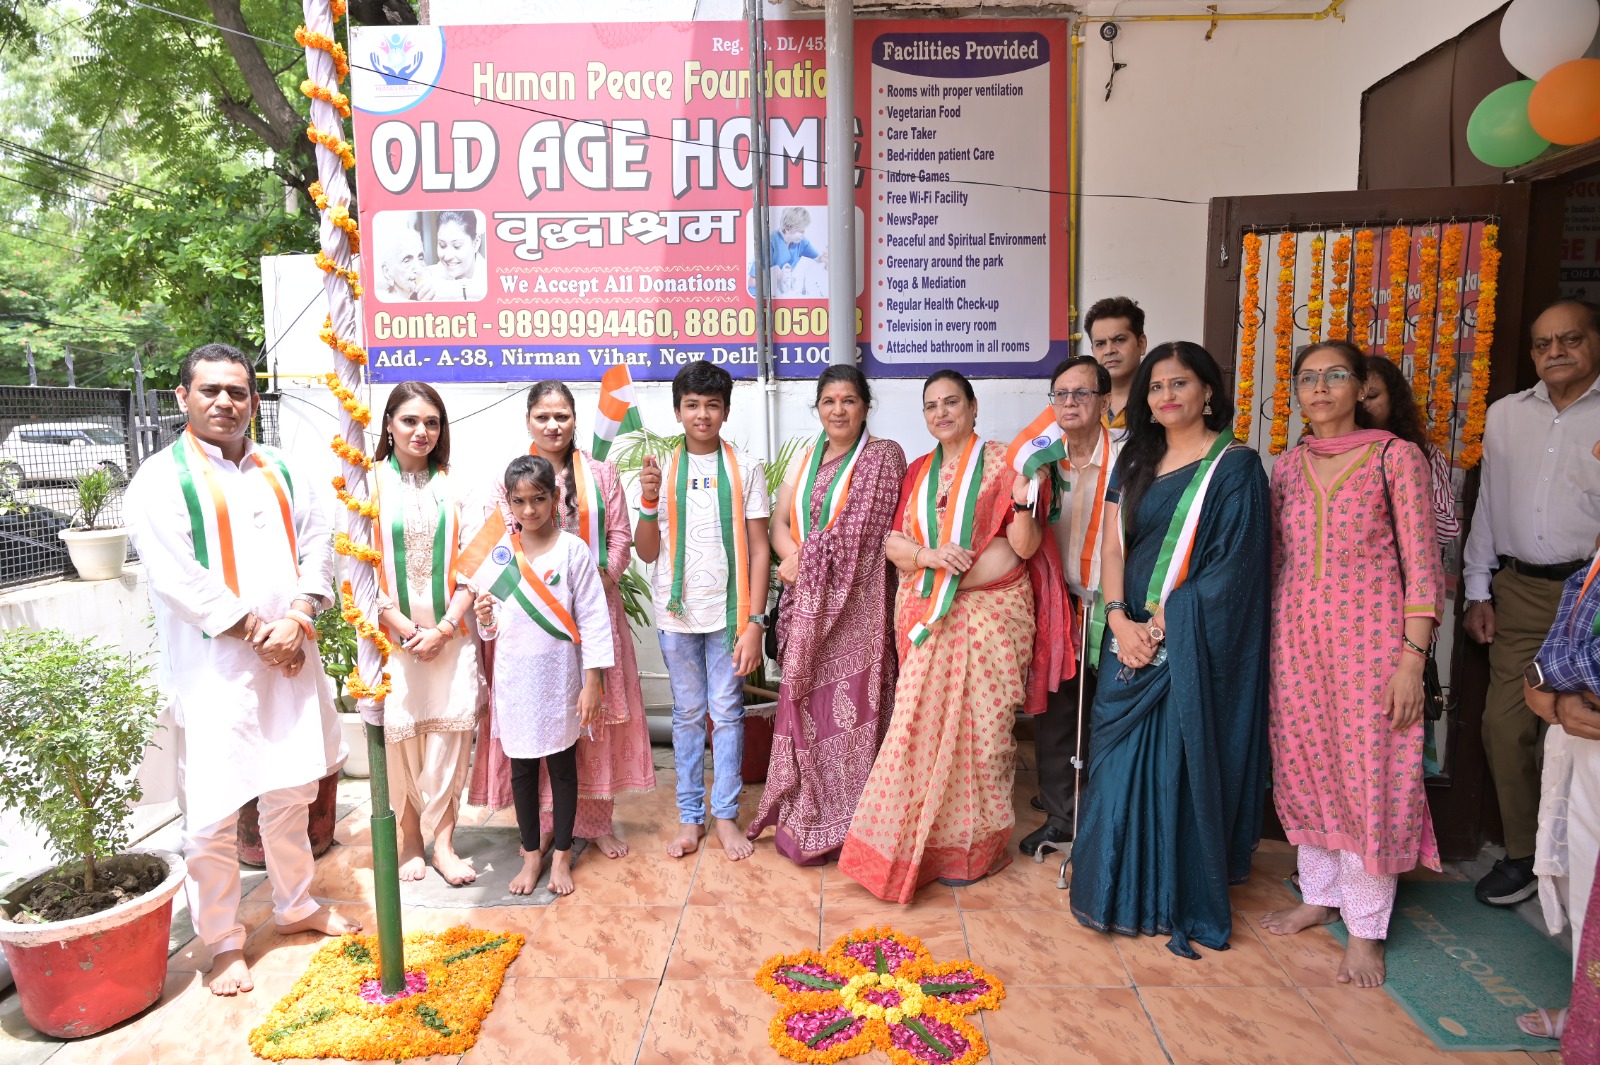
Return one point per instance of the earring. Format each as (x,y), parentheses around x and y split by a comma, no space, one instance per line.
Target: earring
(391,440)
(1152,417)
(1208,408)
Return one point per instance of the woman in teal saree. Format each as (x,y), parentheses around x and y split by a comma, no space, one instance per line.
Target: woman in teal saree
(1179,765)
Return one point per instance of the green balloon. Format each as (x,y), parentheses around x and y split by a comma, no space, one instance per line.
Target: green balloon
(1499,132)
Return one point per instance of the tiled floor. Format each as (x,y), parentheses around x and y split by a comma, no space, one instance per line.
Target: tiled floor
(650,963)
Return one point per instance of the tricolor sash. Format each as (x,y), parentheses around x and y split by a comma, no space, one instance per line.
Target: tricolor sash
(1062,475)
(730,513)
(391,538)
(493,562)
(591,509)
(960,513)
(210,526)
(833,499)
(1172,564)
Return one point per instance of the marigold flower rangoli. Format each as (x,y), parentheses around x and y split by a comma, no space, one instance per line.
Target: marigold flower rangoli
(876,988)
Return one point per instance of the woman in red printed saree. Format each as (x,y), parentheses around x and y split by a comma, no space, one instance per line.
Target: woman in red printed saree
(978,582)
(836,627)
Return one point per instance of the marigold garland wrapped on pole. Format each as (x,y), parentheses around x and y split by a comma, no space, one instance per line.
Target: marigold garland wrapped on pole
(1249,333)
(1339,298)
(1316,301)
(1444,368)
(1422,360)
(326,67)
(1283,353)
(1394,333)
(1361,307)
(1478,397)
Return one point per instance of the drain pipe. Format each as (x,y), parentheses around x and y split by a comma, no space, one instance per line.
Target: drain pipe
(839,33)
(761,225)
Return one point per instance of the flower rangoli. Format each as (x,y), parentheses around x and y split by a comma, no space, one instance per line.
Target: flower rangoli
(877,988)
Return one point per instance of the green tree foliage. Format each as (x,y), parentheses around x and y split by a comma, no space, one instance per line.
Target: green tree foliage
(75,716)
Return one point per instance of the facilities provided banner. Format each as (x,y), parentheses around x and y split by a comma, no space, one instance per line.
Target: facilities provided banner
(551,201)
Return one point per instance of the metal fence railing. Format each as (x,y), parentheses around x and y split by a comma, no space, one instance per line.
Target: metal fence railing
(49,437)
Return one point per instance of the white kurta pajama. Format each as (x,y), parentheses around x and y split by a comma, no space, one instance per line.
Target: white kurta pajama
(242,730)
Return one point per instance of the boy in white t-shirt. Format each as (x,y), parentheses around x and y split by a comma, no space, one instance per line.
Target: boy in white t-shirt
(710,595)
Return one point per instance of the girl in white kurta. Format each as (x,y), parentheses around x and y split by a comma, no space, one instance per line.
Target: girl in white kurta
(549,661)
(439,692)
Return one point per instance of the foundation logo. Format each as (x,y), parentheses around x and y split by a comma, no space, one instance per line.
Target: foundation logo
(394,69)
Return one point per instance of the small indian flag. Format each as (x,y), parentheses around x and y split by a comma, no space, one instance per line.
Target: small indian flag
(618,414)
(1038,445)
(493,562)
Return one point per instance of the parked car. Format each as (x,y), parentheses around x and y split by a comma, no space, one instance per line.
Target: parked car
(29,546)
(60,451)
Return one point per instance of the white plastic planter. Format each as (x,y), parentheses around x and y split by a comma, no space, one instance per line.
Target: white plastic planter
(97,554)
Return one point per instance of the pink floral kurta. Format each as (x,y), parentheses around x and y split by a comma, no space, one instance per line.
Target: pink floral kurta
(1342,778)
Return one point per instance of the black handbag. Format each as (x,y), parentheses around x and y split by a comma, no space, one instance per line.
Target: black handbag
(1433,690)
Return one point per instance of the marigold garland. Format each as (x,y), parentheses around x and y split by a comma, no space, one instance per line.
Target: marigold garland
(1444,370)
(326,1013)
(1249,331)
(1315,299)
(1478,396)
(1422,359)
(318,196)
(1339,298)
(367,508)
(339,101)
(1361,307)
(1394,333)
(876,987)
(350,453)
(349,349)
(347,399)
(307,38)
(1283,352)
(334,143)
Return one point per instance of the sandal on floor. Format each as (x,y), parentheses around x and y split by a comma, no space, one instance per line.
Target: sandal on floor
(1544,1023)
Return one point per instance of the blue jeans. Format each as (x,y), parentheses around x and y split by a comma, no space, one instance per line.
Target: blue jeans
(700,668)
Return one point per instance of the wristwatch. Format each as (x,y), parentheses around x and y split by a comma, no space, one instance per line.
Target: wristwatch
(1534,675)
(759,619)
(1021,508)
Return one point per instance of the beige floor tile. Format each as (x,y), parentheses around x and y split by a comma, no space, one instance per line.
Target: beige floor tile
(722,1021)
(646,877)
(1022,885)
(1310,958)
(1042,947)
(602,942)
(1265,890)
(344,874)
(732,942)
(202,1027)
(766,878)
(1241,1026)
(1246,962)
(269,951)
(1071,1026)
(557,1021)
(1376,1031)
(840,890)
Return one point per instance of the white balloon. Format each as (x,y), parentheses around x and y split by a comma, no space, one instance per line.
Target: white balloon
(1537,35)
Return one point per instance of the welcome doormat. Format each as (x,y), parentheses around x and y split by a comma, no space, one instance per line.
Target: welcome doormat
(1465,971)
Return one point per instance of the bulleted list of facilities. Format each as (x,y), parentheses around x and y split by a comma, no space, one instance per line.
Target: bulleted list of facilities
(961,259)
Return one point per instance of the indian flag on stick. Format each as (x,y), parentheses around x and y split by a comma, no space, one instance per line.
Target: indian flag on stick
(1038,445)
(618,413)
(493,562)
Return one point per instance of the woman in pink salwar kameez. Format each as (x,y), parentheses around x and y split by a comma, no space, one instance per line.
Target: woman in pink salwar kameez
(1357,590)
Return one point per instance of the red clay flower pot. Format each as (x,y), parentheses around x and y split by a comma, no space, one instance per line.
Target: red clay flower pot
(81,976)
(324,814)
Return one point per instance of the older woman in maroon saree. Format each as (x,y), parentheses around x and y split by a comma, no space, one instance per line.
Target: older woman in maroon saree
(938,804)
(835,629)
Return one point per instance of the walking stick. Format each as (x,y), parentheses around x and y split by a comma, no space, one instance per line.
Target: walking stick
(1065,849)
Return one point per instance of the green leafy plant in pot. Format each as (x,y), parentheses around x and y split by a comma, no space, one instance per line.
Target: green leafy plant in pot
(336,642)
(97,548)
(86,939)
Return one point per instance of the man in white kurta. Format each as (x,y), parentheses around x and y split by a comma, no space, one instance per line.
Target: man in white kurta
(236,547)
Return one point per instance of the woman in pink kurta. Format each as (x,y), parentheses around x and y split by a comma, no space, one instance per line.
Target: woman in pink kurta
(1357,589)
(615,759)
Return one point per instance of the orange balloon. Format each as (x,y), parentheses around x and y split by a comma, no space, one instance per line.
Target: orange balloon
(1564,107)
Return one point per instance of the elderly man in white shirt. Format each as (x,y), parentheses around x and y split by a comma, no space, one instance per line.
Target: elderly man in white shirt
(1080,393)
(235,544)
(1537,513)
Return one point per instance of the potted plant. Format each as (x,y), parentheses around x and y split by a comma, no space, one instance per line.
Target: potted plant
(97,551)
(86,939)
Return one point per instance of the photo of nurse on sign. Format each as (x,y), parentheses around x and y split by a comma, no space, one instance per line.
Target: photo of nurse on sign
(430,255)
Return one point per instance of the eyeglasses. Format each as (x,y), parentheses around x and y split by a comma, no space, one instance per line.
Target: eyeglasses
(1079,396)
(1335,378)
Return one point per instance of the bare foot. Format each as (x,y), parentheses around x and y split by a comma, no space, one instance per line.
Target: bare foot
(734,846)
(687,841)
(325,921)
(413,866)
(1363,963)
(1303,916)
(561,872)
(523,883)
(413,863)
(455,869)
(610,845)
(229,974)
